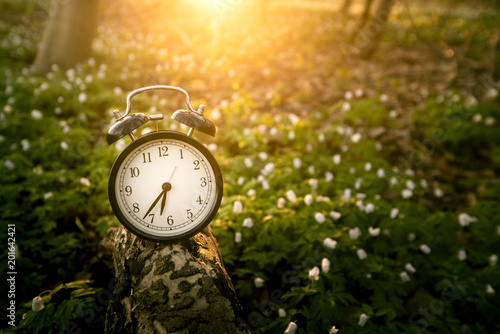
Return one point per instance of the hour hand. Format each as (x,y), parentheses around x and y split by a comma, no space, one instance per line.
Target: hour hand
(163,193)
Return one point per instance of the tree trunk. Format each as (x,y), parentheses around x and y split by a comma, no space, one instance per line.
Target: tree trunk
(345,7)
(67,39)
(373,30)
(171,288)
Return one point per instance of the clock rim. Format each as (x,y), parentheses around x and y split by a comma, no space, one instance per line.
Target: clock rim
(164,134)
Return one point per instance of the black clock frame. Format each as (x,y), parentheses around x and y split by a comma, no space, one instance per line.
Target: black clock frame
(164,134)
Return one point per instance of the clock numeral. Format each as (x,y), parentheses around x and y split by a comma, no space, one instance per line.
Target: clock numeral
(136,207)
(182,157)
(196,164)
(152,215)
(189,214)
(134,172)
(203,181)
(128,190)
(162,151)
(146,157)
(199,200)
(170,220)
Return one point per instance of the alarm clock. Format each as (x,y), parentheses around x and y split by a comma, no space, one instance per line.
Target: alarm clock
(165,186)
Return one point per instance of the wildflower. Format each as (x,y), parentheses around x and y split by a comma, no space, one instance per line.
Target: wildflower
(85,182)
(320,218)
(358,93)
(369,208)
(337,159)
(37,304)
(464,219)
(268,168)
(384,98)
(48,195)
(348,95)
(410,268)
(265,185)
(36,114)
(329,176)
(258,282)
(292,328)
(354,233)
(355,138)
(64,145)
(438,192)
(493,259)
(404,276)
(423,183)
(237,207)
(368,166)
(393,181)
(410,184)
(347,194)
(411,236)
(263,156)
(330,243)
(374,231)
(335,215)
(425,249)
(490,290)
(361,254)
(462,255)
(477,118)
(82,97)
(357,184)
(311,169)
(394,213)
(314,274)
(291,135)
(248,162)
(282,312)
(489,121)
(308,199)
(346,106)
(406,193)
(281,203)
(290,195)
(248,222)
(325,265)
(240,181)
(237,237)
(297,163)
(380,173)
(363,318)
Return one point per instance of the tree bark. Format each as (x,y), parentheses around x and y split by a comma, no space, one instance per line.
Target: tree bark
(373,30)
(171,288)
(67,39)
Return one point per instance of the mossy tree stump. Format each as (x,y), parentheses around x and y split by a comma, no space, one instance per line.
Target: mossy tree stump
(171,288)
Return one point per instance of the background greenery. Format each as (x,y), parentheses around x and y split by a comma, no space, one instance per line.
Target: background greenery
(383,156)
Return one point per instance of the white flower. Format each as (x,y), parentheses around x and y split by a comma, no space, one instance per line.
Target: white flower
(335,215)
(258,282)
(308,199)
(346,106)
(240,181)
(314,274)
(337,159)
(493,259)
(36,114)
(394,213)
(282,312)
(380,173)
(85,182)
(281,203)
(292,328)
(464,219)
(291,135)
(263,156)
(251,192)
(369,208)
(411,236)
(490,290)
(358,93)
(393,181)
(268,168)
(354,233)
(9,164)
(329,176)
(368,166)
(348,95)
(477,118)
(290,195)
(311,170)
(320,218)
(361,254)
(297,163)
(347,194)
(248,162)
(355,138)
(237,237)
(265,185)
(404,276)
(25,143)
(357,183)
(325,265)
(37,304)
(82,97)
(330,243)
(406,193)
(313,183)
(48,195)
(374,231)
(333,330)
(410,184)
(64,145)
(410,268)
(489,121)
(363,318)
(384,98)
(237,207)
(248,222)
(425,249)
(438,192)
(423,183)
(462,255)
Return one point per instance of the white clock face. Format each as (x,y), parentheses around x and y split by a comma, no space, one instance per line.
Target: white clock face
(163,187)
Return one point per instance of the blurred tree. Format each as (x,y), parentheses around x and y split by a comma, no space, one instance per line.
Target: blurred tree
(496,58)
(373,29)
(68,36)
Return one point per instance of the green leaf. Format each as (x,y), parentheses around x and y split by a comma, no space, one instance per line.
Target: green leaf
(63,314)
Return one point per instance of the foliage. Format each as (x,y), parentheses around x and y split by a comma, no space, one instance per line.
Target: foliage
(387,186)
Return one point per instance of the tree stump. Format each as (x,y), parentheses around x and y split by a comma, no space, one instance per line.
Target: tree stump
(171,288)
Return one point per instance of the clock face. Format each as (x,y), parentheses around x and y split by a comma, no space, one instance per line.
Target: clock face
(165,186)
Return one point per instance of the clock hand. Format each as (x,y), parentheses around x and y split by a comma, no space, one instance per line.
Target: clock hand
(166,187)
(163,193)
